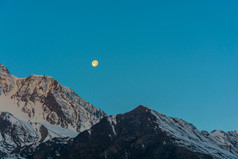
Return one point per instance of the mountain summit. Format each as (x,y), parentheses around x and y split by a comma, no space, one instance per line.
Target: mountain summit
(7,81)
(40,118)
(45,104)
(43,99)
(144,134)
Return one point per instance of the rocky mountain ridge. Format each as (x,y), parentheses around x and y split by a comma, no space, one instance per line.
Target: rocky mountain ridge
(146,134)
(43,99)
(36,104)
(40,118)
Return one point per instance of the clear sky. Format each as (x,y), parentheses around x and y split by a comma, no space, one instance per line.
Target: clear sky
(177,57)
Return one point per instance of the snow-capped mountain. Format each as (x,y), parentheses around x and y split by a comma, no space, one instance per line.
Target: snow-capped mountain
(145,134)
(16,135)
(40,118)
(43,99)
(38,108)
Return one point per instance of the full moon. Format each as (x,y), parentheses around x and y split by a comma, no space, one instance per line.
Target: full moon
(95,63)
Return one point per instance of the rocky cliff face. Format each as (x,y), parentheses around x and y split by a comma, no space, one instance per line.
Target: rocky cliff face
(43,99)
(38,108)
(7,81)
(143,133)
(40,118)
(17,135)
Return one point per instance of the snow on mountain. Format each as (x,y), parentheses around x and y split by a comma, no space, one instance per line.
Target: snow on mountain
(38,108)
(144,133)
(217,143)
(16,133)
(43,99)
(41,118)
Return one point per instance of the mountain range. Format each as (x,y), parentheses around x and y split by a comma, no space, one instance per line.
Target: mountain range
(42,119)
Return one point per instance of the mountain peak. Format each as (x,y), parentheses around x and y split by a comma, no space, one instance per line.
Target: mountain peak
(3,70)
(6,80)
(41,98)
(144,133)
(141,108)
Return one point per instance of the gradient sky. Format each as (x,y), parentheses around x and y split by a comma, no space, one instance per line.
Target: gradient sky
(177,57)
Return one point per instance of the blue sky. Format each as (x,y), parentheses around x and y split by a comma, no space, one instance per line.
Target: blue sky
(177,57)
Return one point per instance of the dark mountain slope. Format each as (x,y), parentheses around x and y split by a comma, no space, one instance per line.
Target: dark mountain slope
(139,134)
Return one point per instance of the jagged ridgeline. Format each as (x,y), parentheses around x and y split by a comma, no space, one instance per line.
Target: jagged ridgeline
(143,134)
(43,99)
(41,119)
(38,108)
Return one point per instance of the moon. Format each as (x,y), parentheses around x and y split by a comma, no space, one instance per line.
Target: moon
(95,63)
